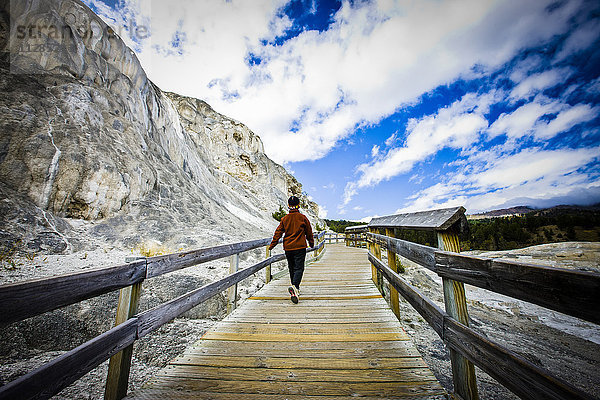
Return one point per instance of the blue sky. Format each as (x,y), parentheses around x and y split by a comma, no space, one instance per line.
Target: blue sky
(388,106)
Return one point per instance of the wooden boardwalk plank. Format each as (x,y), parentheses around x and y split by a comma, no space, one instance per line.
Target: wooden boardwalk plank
(340,342)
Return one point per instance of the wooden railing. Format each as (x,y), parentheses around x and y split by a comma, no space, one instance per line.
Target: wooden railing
(331,237)
(356,236)
(22,300)
(569,292)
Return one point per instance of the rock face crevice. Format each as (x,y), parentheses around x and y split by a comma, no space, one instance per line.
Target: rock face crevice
(86,136)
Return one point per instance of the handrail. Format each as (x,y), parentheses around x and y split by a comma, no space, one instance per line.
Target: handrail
(160,265)
(571,292)
(510,369)
(22,300)
(57,374)
(49,379)
(574,293)
(26,299)
(154,318)
(355,235)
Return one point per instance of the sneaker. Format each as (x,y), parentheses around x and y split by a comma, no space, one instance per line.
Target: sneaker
(293,295)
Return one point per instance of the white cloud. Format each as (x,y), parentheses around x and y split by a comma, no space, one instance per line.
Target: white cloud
(532,175)
(375,151)
(368,219)
(523,120)
(528,119)
(569,118)
(456,126)
(579,40)
(374,58)
(323,212)
(536,83)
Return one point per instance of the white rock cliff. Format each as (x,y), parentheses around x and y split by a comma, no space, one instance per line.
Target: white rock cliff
(92,151)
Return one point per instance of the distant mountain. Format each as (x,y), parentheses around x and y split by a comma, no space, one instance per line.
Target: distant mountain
(522,210)
(504,212)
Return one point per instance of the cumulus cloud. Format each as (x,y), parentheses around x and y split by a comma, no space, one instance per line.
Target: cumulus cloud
(455,126)
(532,175)
(529,119)
(536,83)
(305,94)
(464,126)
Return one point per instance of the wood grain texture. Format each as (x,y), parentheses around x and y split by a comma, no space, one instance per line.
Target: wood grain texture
(455,301)
(120,364)
(440,219)
(51,378)
(232,292)
(154,394)
(172,262)
(156,317)
(422,255)
(427,308)
(510,369)
(571,292)
(391,256)
(270,347)
(26,299)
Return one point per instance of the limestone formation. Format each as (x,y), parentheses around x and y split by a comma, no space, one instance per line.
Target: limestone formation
(91,148)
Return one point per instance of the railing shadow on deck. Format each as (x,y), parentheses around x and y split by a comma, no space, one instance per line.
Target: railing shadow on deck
(570,292)
(22,300)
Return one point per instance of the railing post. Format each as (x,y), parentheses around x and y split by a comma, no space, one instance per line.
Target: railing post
(394,267)
(234,265)
(268,267)
(375,273)
(371,248)
(120,364)
(378,255)
(463,371)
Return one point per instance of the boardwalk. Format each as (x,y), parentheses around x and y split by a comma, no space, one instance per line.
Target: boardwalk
(341,341)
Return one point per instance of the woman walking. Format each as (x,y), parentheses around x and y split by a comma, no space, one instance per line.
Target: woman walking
(297,231)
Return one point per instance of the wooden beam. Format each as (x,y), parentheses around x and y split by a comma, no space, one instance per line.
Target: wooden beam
(427,308)
(513,371)
(156,317)
(160,265)
(371,249)
(234,266)
(570,292)
(394,300)
(49,379)
(120,364)
(422,255)
(463,371)
(268,275)
(26,299)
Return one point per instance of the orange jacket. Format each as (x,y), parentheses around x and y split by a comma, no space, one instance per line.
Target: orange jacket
(297,231)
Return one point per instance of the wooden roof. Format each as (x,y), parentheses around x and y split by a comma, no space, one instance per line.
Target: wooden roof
(440,219)
(357,228)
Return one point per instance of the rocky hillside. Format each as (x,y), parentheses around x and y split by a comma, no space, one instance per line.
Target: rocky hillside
(93,153)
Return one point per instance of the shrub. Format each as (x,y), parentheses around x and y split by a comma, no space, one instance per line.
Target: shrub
(279,213)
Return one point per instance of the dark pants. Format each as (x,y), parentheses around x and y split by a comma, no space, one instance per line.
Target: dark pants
(295,259)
